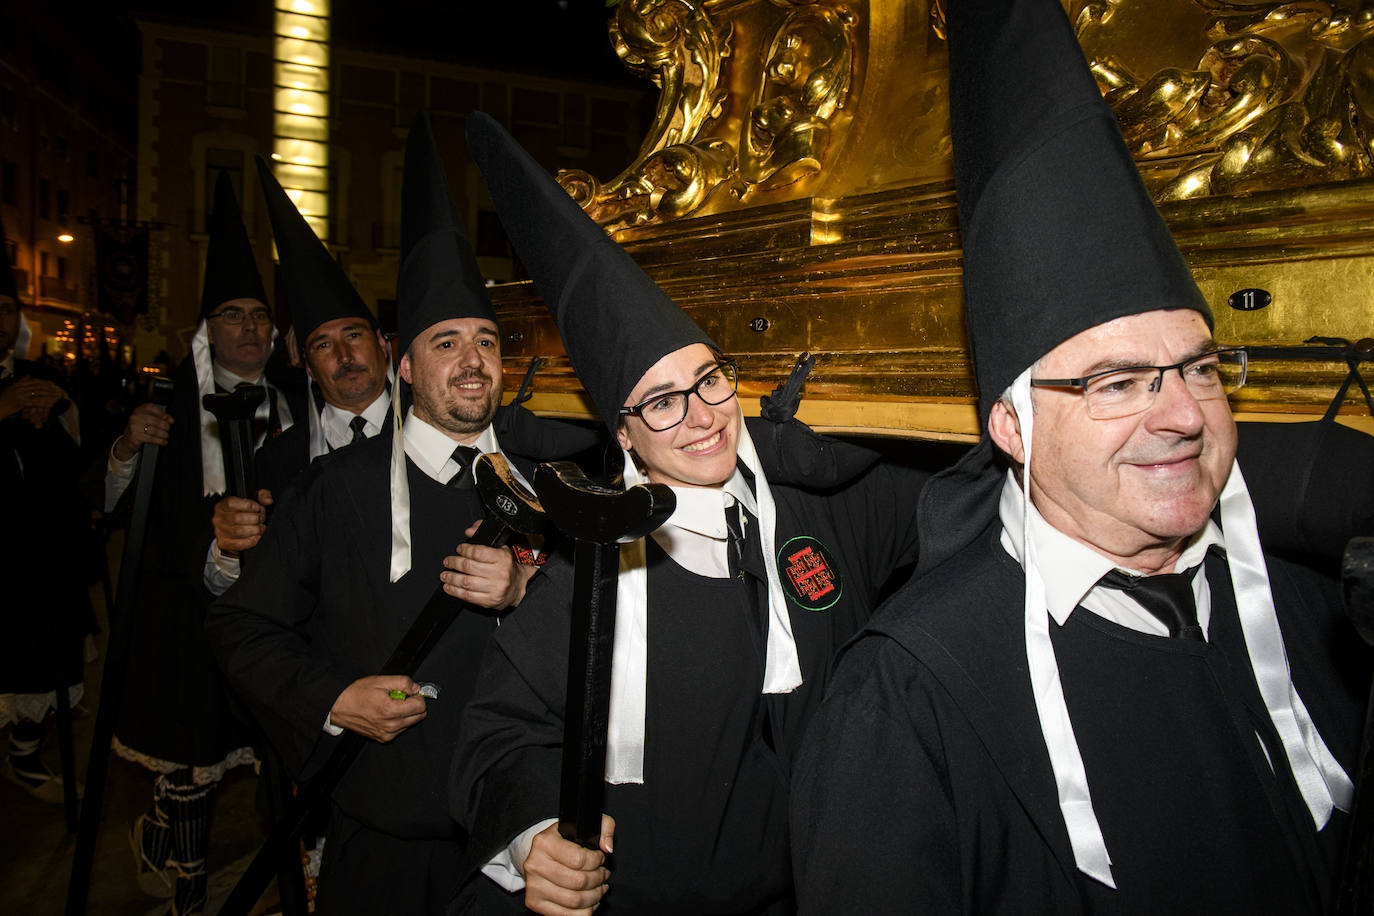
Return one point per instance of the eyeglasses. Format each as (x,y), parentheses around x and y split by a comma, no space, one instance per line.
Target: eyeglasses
(237,316)
(1119,393)
(669,408)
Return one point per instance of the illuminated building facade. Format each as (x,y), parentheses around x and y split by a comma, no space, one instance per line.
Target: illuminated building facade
(210,99)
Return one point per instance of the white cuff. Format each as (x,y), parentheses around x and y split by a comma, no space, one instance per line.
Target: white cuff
(507,868)
(330,728)
(220,571)
(117,476)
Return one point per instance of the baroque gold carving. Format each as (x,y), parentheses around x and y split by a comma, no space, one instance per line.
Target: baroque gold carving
(698,145)
(1281,96)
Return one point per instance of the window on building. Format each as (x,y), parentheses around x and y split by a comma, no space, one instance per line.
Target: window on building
(9,109)
(496,102)
(61,268)
(576,127)
(43,263)
(9,182)
(64,206)
(12,253)
(44,199)
(221,160)
(225,86)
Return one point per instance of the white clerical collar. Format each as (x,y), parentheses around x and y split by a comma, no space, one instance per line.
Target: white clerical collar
(432,450)
(701,510)
(231,380)
(337,422)
(1069,567)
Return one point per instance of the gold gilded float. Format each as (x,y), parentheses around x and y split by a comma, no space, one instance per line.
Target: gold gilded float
(795,192)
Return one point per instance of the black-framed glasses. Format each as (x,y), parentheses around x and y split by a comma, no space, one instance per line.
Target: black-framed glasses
(669,408)
(1116,393)
(237,316)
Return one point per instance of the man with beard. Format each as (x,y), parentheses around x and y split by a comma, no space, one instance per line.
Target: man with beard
(177,721)
(347,361)
(352,554)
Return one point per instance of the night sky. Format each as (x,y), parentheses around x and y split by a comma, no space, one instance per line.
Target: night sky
(547,37)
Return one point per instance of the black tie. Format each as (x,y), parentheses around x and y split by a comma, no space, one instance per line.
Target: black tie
(1168,596)
(356,424)
(736,547)
(465,455)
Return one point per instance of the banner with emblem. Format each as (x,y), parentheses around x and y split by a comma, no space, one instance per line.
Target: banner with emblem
(122,270)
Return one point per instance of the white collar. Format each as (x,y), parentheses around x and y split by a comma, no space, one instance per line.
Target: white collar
(701,510)
(336,421)
(1069,567)
(231,380)
(432,449)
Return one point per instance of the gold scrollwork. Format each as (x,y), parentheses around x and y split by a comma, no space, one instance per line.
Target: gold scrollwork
(806,77)
(1281,97)
(676,44)
(697,145)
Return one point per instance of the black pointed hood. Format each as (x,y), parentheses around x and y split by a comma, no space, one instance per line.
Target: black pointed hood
(316,287)
(1059,231)
(615,321)
(439,276)
(230,271)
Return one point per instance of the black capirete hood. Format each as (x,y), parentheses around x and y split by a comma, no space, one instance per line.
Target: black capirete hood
(230,270)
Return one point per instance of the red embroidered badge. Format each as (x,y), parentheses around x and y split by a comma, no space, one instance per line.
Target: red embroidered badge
(525,556)
(807,567)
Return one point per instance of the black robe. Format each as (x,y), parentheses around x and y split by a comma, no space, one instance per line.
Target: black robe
(175,708)
(313,612)
(706,832)
(46,610)
(924,784)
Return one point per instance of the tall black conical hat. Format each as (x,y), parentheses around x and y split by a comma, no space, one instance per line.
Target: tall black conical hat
(316,286)
(230,271)
(1059,232)
(7,285)
(439,276)
(615,322)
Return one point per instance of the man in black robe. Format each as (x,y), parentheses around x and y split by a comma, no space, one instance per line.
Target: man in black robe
(726,619)
(1099,694)
(176,719)
(353,552)
(42,627)
(347,361)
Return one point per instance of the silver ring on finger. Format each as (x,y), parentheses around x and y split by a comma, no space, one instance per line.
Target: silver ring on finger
(145,429)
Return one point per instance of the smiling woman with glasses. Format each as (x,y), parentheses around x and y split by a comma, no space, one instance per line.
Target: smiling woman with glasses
(726,618)
(667,409)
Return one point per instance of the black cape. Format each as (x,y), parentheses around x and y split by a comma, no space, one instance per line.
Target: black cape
(925,786)
(175,706)
(313,612)
(46,611)
(706,832)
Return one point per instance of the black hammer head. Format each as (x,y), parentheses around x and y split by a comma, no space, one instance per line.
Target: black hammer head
(239,404)
(506,497)
(602,515)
